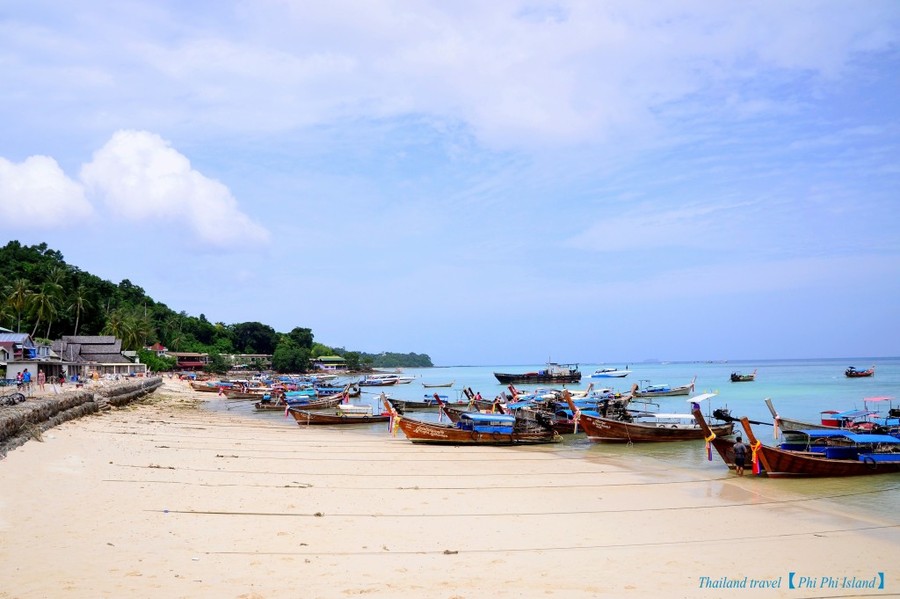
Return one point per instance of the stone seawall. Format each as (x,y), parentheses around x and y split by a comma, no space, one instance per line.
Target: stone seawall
(28,420)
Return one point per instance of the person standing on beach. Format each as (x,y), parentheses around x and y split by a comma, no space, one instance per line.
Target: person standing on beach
(740,456)
(26,380)
(42,379)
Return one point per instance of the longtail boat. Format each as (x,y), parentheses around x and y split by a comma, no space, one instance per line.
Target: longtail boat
(860,421)
(853,373)
(723,446)
(430,402)
(208,387)
(312,404)
(813,453)
(341,414)
(475,428)
(737,377)
(438,385)
(650,427)
(828,453)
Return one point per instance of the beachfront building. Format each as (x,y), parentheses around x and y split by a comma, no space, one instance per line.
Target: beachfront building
(189,361)
(83,355)
(249,361)
(18,351)
(158,348)
(330,363)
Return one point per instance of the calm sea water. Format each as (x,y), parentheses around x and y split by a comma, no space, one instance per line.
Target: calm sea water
(799,389)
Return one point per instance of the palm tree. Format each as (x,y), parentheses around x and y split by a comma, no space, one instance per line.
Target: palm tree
(18,297)
(115,324)
(7,315)
(131,326)
(43,305)
(79,301)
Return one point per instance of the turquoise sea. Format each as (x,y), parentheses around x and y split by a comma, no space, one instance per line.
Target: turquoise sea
(799,389)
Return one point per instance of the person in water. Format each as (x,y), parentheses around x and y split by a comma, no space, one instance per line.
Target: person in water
(740,456)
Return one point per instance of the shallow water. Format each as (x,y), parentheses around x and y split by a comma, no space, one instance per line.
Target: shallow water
(799,389)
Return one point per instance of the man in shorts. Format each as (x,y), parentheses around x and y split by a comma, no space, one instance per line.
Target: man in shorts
(740,456)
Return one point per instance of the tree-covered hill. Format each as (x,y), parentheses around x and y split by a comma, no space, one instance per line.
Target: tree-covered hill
(42,295)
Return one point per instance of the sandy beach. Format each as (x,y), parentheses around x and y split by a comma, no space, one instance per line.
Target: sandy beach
(165,499)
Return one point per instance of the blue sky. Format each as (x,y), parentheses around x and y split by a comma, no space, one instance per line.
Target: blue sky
(487,183)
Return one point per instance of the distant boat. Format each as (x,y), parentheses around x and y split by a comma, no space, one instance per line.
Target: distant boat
(379,380)
(603,373)
(663,390)
(737,377)
(553,373)
(853,373)
(437,385)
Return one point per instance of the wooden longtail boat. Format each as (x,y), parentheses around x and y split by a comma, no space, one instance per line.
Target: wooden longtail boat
(438,385)
(841,454)
(663,390)
(475,428)
(432,402)
(651,428)
(313,404)
(454,411)
(723,446)
(853,373)
(823,452)
(341,414)
(788,424)
(737,377)
(243,395)
(206,387)
(864,420)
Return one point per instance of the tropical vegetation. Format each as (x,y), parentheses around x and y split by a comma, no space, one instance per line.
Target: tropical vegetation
(40,293)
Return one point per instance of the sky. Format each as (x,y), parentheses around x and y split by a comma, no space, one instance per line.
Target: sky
(499,182)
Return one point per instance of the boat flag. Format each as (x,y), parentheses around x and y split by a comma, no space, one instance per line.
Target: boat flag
(395,423)
(709,439)
(754,447)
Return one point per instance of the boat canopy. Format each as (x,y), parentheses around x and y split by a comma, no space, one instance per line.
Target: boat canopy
(482,418)
(861,438)
(670,416)
(701,397)
(855,414)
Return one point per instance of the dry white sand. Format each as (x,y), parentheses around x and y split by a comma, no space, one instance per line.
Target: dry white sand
(162,499)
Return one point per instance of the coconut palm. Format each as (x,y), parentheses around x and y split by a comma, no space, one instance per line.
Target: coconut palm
(79,301)
(43,305)
(18,298)
(131,326)
(115,324)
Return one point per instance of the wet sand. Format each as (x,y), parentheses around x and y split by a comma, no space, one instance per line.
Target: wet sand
(163,499)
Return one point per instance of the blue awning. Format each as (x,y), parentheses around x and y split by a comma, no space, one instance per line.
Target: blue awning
(855,437)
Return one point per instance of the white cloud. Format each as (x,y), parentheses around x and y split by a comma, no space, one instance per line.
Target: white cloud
(37,193)
(515,74)
(138,175)
(648,227)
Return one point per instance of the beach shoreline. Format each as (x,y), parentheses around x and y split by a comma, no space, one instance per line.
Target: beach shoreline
(164,499)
